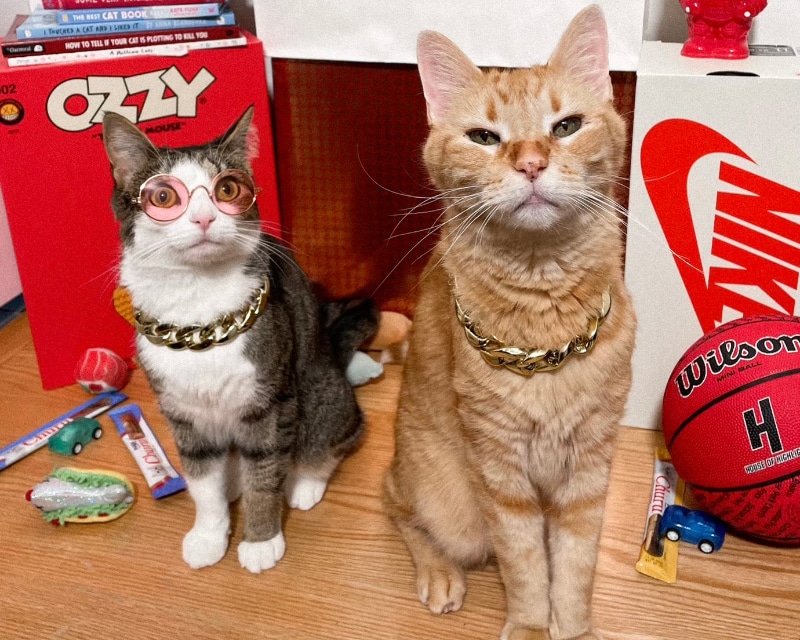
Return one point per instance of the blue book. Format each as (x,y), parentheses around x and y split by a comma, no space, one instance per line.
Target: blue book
(155,12)
(44,24)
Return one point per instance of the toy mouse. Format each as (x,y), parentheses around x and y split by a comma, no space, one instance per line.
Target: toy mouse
(719,28)
(390,339)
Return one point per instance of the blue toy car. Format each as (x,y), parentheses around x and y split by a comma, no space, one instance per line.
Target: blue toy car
(692,526)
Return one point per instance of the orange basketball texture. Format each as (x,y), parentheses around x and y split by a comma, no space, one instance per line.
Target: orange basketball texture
(731,420)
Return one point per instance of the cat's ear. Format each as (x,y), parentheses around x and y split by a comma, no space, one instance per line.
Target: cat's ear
(582,52)
(445,71)
(128,148)
(242,137)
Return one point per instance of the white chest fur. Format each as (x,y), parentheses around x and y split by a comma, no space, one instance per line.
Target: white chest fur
(212,387)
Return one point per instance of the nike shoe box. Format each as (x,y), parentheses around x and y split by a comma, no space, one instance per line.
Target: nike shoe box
(714,224)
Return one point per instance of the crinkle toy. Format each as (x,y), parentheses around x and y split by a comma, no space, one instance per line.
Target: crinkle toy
(75,495)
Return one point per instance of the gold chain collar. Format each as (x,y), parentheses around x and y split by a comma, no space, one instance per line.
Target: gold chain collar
(526,362)
(202,337)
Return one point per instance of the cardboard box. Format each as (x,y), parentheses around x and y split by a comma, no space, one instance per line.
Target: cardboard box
(57,184)
(10,286)
(367,31)
(714,229)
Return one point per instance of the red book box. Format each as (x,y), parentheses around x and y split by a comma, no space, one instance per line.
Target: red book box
(57,184)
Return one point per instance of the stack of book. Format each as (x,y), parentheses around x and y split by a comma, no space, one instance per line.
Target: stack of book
(69,30)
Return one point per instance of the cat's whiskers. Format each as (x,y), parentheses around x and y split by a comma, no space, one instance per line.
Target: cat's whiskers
(620,183)
(603,204)
(482,209)
(281,261)
(441,210)
(158,254)
(473,212)
(449,193)
(262,253)
(143,255)
(429,231)
(599,203)
(482,228)
(387,189)
(108,276)
(419,207)
(424,200)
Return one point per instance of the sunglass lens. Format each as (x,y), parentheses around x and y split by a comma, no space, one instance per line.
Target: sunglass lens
(234,192)
(163,198)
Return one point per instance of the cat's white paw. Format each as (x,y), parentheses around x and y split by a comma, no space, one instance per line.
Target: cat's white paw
(203,547)
(305,491)
(260,556)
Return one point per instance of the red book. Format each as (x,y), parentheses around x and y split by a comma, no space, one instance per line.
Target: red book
(12,47)
(113,4)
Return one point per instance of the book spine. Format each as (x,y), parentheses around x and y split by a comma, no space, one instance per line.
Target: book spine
(30,30)
(166,12)
(111,4)
(176,50)
(56,46)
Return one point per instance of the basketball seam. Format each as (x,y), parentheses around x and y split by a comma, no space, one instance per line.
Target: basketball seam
(724,396)
(739,322)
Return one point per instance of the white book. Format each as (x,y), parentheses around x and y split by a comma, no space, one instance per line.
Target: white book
(172,50)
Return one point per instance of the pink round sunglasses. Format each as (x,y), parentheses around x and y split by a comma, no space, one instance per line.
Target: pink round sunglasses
(164,198)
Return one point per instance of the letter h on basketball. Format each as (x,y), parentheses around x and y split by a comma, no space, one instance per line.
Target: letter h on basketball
(755,430)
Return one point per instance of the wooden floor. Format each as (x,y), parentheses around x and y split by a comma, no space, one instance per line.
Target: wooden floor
(346,574)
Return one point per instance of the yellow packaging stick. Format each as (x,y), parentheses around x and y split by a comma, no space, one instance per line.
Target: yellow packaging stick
(658,557)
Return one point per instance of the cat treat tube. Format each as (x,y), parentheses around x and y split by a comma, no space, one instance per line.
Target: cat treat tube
(658,557)
(38,438)
(161,476)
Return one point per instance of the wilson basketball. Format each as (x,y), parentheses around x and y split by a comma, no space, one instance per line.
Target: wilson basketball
(731,422)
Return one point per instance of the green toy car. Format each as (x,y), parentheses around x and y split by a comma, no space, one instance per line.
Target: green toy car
(73,436)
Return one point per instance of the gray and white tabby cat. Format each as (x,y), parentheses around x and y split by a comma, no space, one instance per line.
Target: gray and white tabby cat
(269,407)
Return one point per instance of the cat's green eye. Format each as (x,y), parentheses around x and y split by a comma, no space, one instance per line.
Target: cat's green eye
(484,137)
(567,127)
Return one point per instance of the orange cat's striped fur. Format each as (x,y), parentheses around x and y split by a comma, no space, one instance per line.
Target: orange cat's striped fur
(489,462)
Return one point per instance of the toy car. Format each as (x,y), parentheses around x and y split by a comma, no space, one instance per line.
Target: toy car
(73,436)
(692,526)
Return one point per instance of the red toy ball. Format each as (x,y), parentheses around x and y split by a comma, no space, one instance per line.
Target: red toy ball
(731,422)
(100,370)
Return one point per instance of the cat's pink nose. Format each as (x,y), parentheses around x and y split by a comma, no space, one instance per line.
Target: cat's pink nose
(204,219)
(530,161)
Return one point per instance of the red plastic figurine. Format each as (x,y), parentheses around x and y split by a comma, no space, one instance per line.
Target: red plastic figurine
(719,28)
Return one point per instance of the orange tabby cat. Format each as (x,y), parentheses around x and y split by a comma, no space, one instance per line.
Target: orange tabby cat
(492,459)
